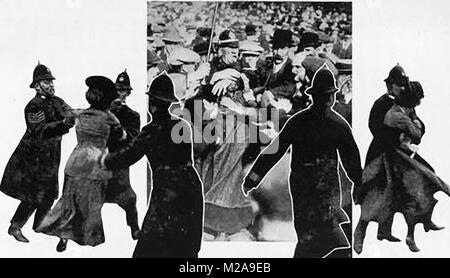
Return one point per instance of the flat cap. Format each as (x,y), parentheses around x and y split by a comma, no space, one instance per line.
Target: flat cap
(181,55)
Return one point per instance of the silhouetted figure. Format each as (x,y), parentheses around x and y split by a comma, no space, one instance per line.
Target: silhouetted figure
(173,224)
(316,136)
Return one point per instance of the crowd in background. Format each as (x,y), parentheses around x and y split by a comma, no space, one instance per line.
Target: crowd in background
(238,57)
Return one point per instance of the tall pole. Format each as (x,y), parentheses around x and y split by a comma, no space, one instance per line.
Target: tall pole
(212,31)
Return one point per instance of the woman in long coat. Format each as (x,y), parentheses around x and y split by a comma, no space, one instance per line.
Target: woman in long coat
(399,180)
(173,223)
(77,214)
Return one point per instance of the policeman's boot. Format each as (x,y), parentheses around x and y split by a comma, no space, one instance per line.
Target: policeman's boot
(384,231)
(62,244)
(359,235)
(17,233)
(431,226)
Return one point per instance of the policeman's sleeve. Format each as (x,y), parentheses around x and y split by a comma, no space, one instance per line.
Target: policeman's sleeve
(134,126)
(376,121)
(131,153)
(349,155)
(39,128)
(272,153)
(65,107)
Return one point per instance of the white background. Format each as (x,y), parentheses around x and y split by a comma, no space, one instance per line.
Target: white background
(75,39)
(78,38)
(415,34)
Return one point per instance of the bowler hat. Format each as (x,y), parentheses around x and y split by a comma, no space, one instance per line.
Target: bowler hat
(250,29)
(204,32)
(282,38)
(323,82)
(41,72)
(309,39)
(123,81)
(104,84)
(201,48)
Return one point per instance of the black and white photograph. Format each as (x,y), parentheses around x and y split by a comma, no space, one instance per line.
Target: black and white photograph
(242,70)
(74,81)
(401,208)
(256,129)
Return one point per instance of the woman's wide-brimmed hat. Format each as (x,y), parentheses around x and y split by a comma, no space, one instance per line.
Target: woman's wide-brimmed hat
(104,84)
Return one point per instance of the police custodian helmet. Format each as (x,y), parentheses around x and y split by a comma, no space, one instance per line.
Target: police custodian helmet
(41,72)
(323,82)
(123,81)
(397,76)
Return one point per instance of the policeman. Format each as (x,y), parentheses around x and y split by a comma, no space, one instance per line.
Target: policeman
(31,174)
(119,190)
(225,74)
(172,226)
(384,139)
(315,134)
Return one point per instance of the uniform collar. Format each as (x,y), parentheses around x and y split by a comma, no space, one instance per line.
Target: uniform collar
(390,96)
(41,96)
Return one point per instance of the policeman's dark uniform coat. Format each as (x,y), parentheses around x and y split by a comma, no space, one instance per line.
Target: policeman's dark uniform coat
(173,224)
(384,137)
(119,189)
(395,181)
(316,136)
(31,174)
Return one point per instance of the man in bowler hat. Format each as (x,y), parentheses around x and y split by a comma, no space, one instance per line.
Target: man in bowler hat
(316,136)
(31,174)
(119,189)
(276,74)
